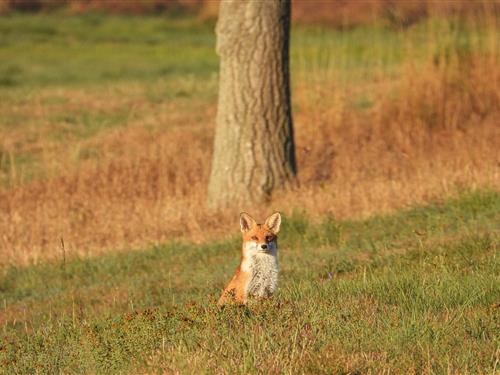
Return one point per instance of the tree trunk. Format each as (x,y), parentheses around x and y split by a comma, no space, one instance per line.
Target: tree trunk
(253,149)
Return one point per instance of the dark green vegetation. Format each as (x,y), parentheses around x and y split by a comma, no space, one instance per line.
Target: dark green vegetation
(417,290)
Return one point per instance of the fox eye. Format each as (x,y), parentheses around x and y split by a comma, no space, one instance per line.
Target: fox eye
(254,238)
(269,238)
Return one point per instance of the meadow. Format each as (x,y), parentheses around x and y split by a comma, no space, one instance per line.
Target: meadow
(111,263)
(97,111)
(412,292)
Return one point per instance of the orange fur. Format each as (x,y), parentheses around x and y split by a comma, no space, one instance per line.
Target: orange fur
(236,288)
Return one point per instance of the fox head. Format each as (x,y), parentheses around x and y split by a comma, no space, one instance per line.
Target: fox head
(260,238)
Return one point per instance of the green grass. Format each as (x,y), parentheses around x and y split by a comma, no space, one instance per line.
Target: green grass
(94,49)
(45,49)
(411,291)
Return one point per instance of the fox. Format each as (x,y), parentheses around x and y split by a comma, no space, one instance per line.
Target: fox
(257,273)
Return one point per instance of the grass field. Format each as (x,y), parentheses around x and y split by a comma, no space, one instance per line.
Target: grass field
(111,263)
(416,291)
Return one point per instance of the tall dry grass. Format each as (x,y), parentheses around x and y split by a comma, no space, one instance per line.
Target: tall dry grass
(428,134)
(430,131)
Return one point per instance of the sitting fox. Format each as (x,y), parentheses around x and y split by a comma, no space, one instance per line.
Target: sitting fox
(257,274)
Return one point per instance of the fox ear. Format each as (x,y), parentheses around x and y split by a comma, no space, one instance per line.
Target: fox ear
(246,222)
(273,222)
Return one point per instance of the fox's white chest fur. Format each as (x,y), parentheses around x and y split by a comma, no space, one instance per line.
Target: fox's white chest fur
(264,275)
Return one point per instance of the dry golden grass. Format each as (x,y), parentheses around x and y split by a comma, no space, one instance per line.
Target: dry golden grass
(430,133)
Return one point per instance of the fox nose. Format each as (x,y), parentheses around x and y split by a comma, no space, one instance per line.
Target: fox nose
(264,246)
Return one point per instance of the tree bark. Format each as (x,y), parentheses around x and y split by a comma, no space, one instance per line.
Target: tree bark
(253,149)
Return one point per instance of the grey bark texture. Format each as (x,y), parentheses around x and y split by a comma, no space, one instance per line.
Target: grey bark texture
(253,149)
